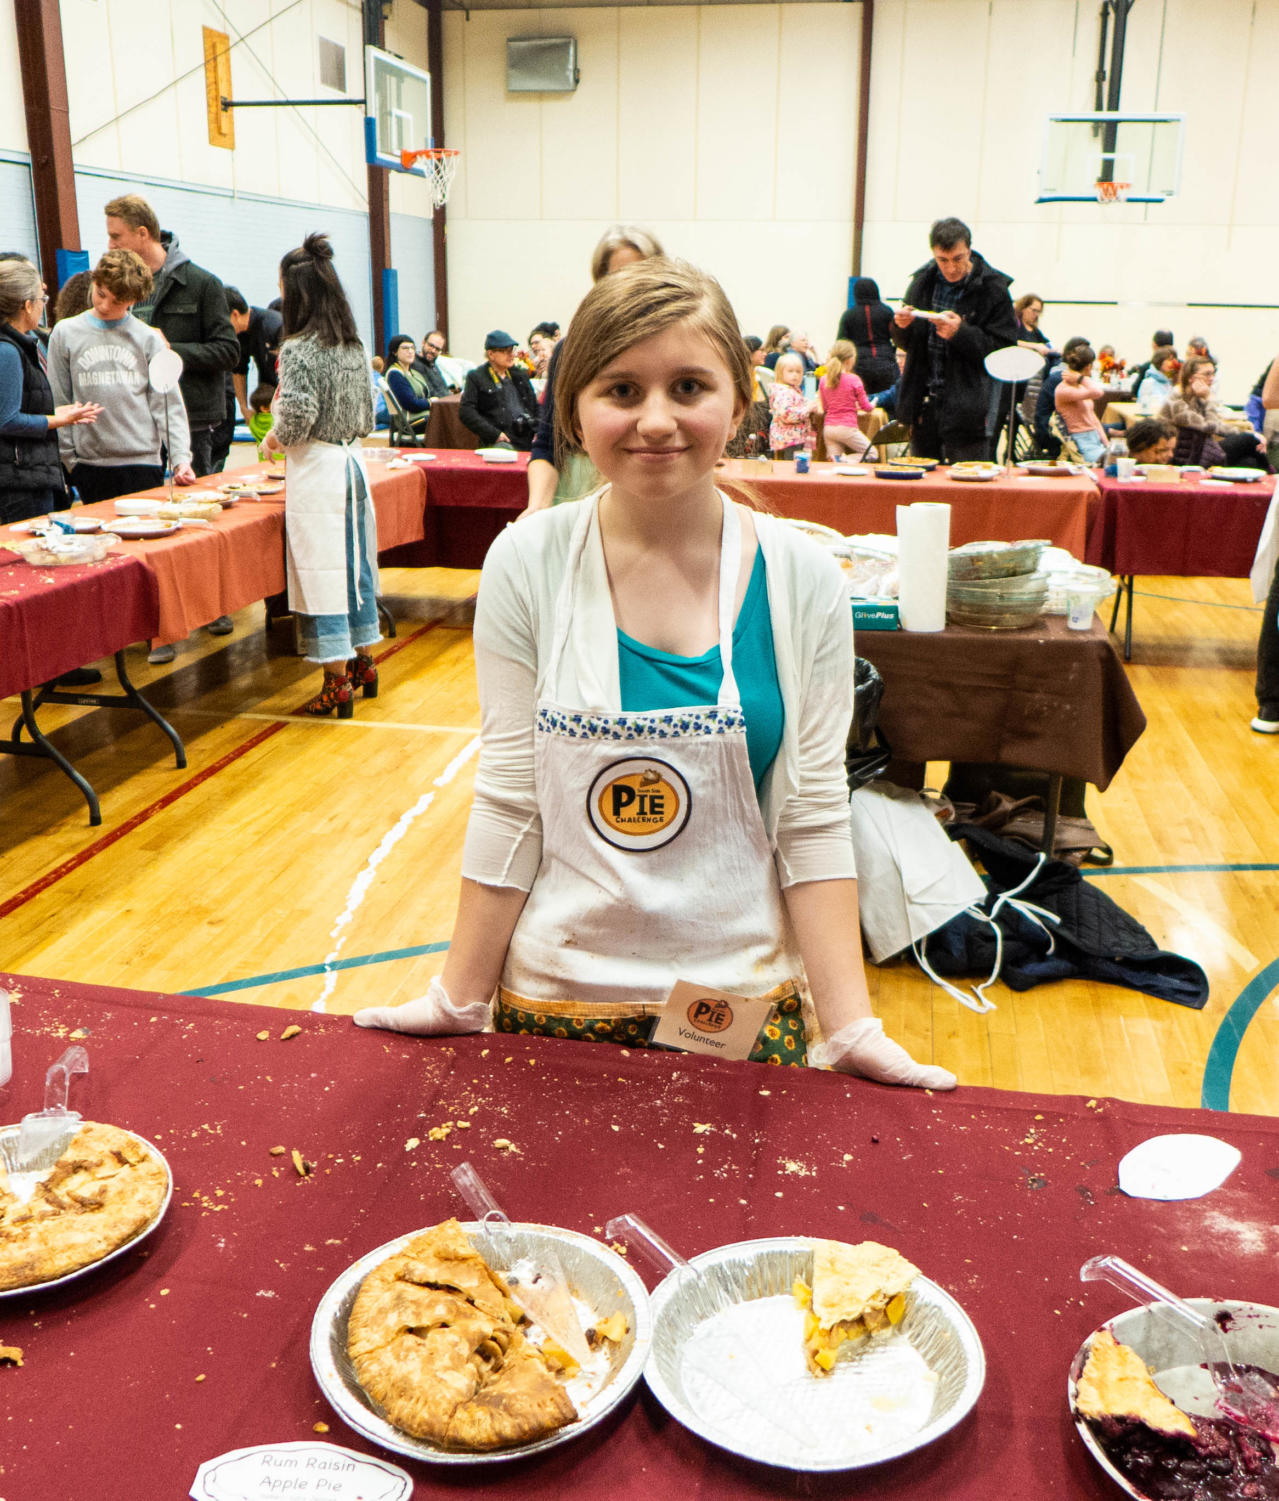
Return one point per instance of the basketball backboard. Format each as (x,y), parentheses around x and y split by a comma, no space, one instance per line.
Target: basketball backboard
(397,105)
(1112,157)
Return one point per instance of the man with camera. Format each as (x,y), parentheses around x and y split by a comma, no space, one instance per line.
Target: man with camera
(499,404)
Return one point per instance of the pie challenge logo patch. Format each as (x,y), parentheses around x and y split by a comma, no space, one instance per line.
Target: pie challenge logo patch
(639,804)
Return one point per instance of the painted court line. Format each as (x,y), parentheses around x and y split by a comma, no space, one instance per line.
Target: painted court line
(308,971)
(1173,870)
(1219,1067)
(332,724)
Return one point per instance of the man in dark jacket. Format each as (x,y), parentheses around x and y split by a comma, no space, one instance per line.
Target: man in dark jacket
(433,346)
(498,403)
(188,306)
(944,392)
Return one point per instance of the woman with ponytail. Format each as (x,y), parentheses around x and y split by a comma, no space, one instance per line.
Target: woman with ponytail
(323,407)
(843,396)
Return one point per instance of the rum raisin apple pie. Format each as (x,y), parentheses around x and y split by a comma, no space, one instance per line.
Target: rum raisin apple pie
(857,1291)
(436,1340)
(105,1189)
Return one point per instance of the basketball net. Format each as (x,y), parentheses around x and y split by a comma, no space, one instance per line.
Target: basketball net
(439,165)
(1111,192)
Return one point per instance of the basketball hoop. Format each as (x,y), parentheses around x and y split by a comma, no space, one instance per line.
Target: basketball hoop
(1111,192)
(438,164)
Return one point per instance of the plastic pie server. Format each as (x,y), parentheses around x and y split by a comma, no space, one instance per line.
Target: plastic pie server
(6,1033)
(538,1286)
(44,1135)
(1249,1397)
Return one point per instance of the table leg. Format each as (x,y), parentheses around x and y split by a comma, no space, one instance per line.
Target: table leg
(1128,621)
(129,698)
(43,747)
(386,618)
(1052,807)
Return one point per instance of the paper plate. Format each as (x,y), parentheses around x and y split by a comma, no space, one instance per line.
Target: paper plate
(1176,1362)
(140,528)
(894,1395)
(597,1277)
(84,524)
(138,507)
(497,455)
(10,1133)
(1236,476)
(975,475)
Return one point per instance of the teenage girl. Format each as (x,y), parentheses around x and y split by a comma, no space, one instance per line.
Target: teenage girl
(665,687)
(843,396)
(1075,400)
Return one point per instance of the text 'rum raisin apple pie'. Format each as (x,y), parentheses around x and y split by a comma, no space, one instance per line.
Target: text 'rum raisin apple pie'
(421,1347)
(106,1189)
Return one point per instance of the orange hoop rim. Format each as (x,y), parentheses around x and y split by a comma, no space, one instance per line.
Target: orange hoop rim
(1111,192)
(436,153)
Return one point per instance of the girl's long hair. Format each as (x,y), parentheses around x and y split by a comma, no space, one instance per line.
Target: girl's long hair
(314,302)
(840,351)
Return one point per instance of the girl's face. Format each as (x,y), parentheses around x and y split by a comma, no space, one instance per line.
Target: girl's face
(404,354)
(790,373)
(1201,380)
(655,419)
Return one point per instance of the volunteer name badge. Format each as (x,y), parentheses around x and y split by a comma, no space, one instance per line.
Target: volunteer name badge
(700,1019)
(639,804)
(302,1471)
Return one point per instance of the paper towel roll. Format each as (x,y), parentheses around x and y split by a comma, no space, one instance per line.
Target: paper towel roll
(923,542)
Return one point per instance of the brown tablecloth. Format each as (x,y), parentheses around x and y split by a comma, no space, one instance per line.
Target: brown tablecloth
(1193,529)
(445,428)
(1003,510)
(55,619)
(202,573)
(1048,698)
(998,1197)
(468,502)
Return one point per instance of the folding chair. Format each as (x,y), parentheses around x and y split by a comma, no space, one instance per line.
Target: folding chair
(407,429)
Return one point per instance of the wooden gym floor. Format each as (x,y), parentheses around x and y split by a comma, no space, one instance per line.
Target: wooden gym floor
(289,844)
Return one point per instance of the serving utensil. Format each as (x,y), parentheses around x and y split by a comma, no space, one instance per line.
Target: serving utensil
(43,1135)
(1249,1397)
(537,1284)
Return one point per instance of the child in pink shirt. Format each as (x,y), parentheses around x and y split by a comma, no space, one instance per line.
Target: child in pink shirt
(842,396)
(1075,400)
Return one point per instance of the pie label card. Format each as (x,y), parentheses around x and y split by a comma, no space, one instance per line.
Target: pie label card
(700,1019)
(301,1471)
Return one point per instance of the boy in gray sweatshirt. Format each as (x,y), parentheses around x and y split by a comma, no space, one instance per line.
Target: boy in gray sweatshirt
(104,355)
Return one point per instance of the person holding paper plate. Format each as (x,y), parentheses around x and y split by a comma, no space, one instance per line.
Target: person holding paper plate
(660,833)
(323,406)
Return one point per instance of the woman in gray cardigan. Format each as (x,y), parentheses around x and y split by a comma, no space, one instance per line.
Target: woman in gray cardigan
(323,407)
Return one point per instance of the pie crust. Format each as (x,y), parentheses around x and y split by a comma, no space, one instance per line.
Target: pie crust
(1116,1383)
(435,1341)
(106,1188)
(857,1290)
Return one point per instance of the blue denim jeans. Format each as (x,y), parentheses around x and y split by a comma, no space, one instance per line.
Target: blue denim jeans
(334,638)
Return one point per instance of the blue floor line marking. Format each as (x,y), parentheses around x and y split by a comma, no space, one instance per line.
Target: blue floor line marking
(306,971)
(1172,870)
(1219,1066)
(1212,604)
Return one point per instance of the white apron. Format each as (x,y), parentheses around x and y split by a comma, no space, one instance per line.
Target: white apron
(321,479)
(656,866)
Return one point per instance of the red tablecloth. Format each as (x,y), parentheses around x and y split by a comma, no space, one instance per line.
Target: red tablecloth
(998,1197)
(1002,510)
(468,502)
(54,619)
(1191,529)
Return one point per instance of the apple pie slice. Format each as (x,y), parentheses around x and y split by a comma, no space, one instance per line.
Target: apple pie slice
(435,1340)
(856,1291)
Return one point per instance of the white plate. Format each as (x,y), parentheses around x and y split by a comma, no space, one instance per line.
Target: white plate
(497,455)
(80,523)
(138,507)
(976,476)
(597,1277)
(1176,1361)
(1236,476)
(10,1133)
(896,1394)
(140,528)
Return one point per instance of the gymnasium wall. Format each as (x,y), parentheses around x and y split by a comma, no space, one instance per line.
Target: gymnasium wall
(730,130)
(135,78)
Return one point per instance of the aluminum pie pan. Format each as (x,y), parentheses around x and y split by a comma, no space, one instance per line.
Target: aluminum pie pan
(1176,1360)
(936,1330)
(10,1134)
(596,1275)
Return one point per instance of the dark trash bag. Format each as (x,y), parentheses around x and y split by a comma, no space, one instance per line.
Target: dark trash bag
(867,752)
(1094,939)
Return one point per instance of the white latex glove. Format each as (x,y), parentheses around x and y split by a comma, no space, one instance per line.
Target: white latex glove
(431,1015)
(862,1048)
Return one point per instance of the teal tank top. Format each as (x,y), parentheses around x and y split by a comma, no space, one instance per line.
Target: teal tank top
(652,679)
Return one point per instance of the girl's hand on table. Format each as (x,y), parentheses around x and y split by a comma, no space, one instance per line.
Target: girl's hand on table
(431,1015)
(862,1048)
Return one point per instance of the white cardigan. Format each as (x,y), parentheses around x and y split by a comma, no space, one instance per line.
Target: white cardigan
(804,795)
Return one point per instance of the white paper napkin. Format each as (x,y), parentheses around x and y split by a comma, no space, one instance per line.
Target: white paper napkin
(1177,1167)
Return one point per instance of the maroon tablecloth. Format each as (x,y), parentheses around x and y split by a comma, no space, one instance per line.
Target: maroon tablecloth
(1048,698)
(468,502)
(998,1197)
(1190,529)
(445,428)
(54,619)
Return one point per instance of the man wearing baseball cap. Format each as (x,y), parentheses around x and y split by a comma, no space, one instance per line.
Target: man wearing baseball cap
(499,404)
